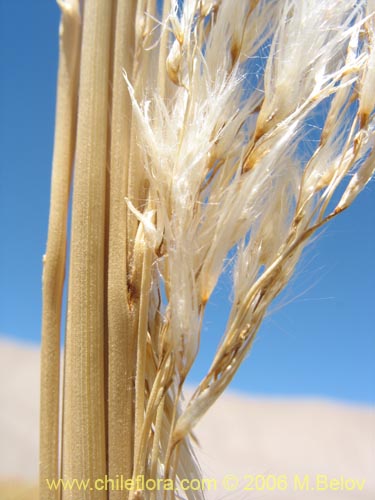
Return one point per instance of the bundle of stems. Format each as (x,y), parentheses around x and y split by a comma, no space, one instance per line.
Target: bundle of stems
(190,129)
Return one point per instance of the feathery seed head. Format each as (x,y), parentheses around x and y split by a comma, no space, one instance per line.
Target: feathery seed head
(222,155)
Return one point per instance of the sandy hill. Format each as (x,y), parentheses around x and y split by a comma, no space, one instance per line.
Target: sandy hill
(258,443)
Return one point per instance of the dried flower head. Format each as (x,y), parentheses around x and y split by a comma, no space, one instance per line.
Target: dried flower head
(222,157)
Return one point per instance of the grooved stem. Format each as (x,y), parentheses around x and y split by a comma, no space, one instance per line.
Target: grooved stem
(55,257)
(84,426)
(121,363)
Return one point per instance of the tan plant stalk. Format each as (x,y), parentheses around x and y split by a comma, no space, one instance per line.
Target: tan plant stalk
(84,406)
(121,362)
(190,139)
(54,259)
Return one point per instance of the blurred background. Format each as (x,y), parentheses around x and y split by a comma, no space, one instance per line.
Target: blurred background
(318,341)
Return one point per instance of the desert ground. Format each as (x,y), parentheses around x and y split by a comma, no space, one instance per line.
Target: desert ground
(247,444)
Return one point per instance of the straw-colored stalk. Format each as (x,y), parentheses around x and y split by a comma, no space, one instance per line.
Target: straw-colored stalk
(54,259)
(187,144)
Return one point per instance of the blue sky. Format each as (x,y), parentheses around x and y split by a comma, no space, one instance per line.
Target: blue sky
(319,341)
